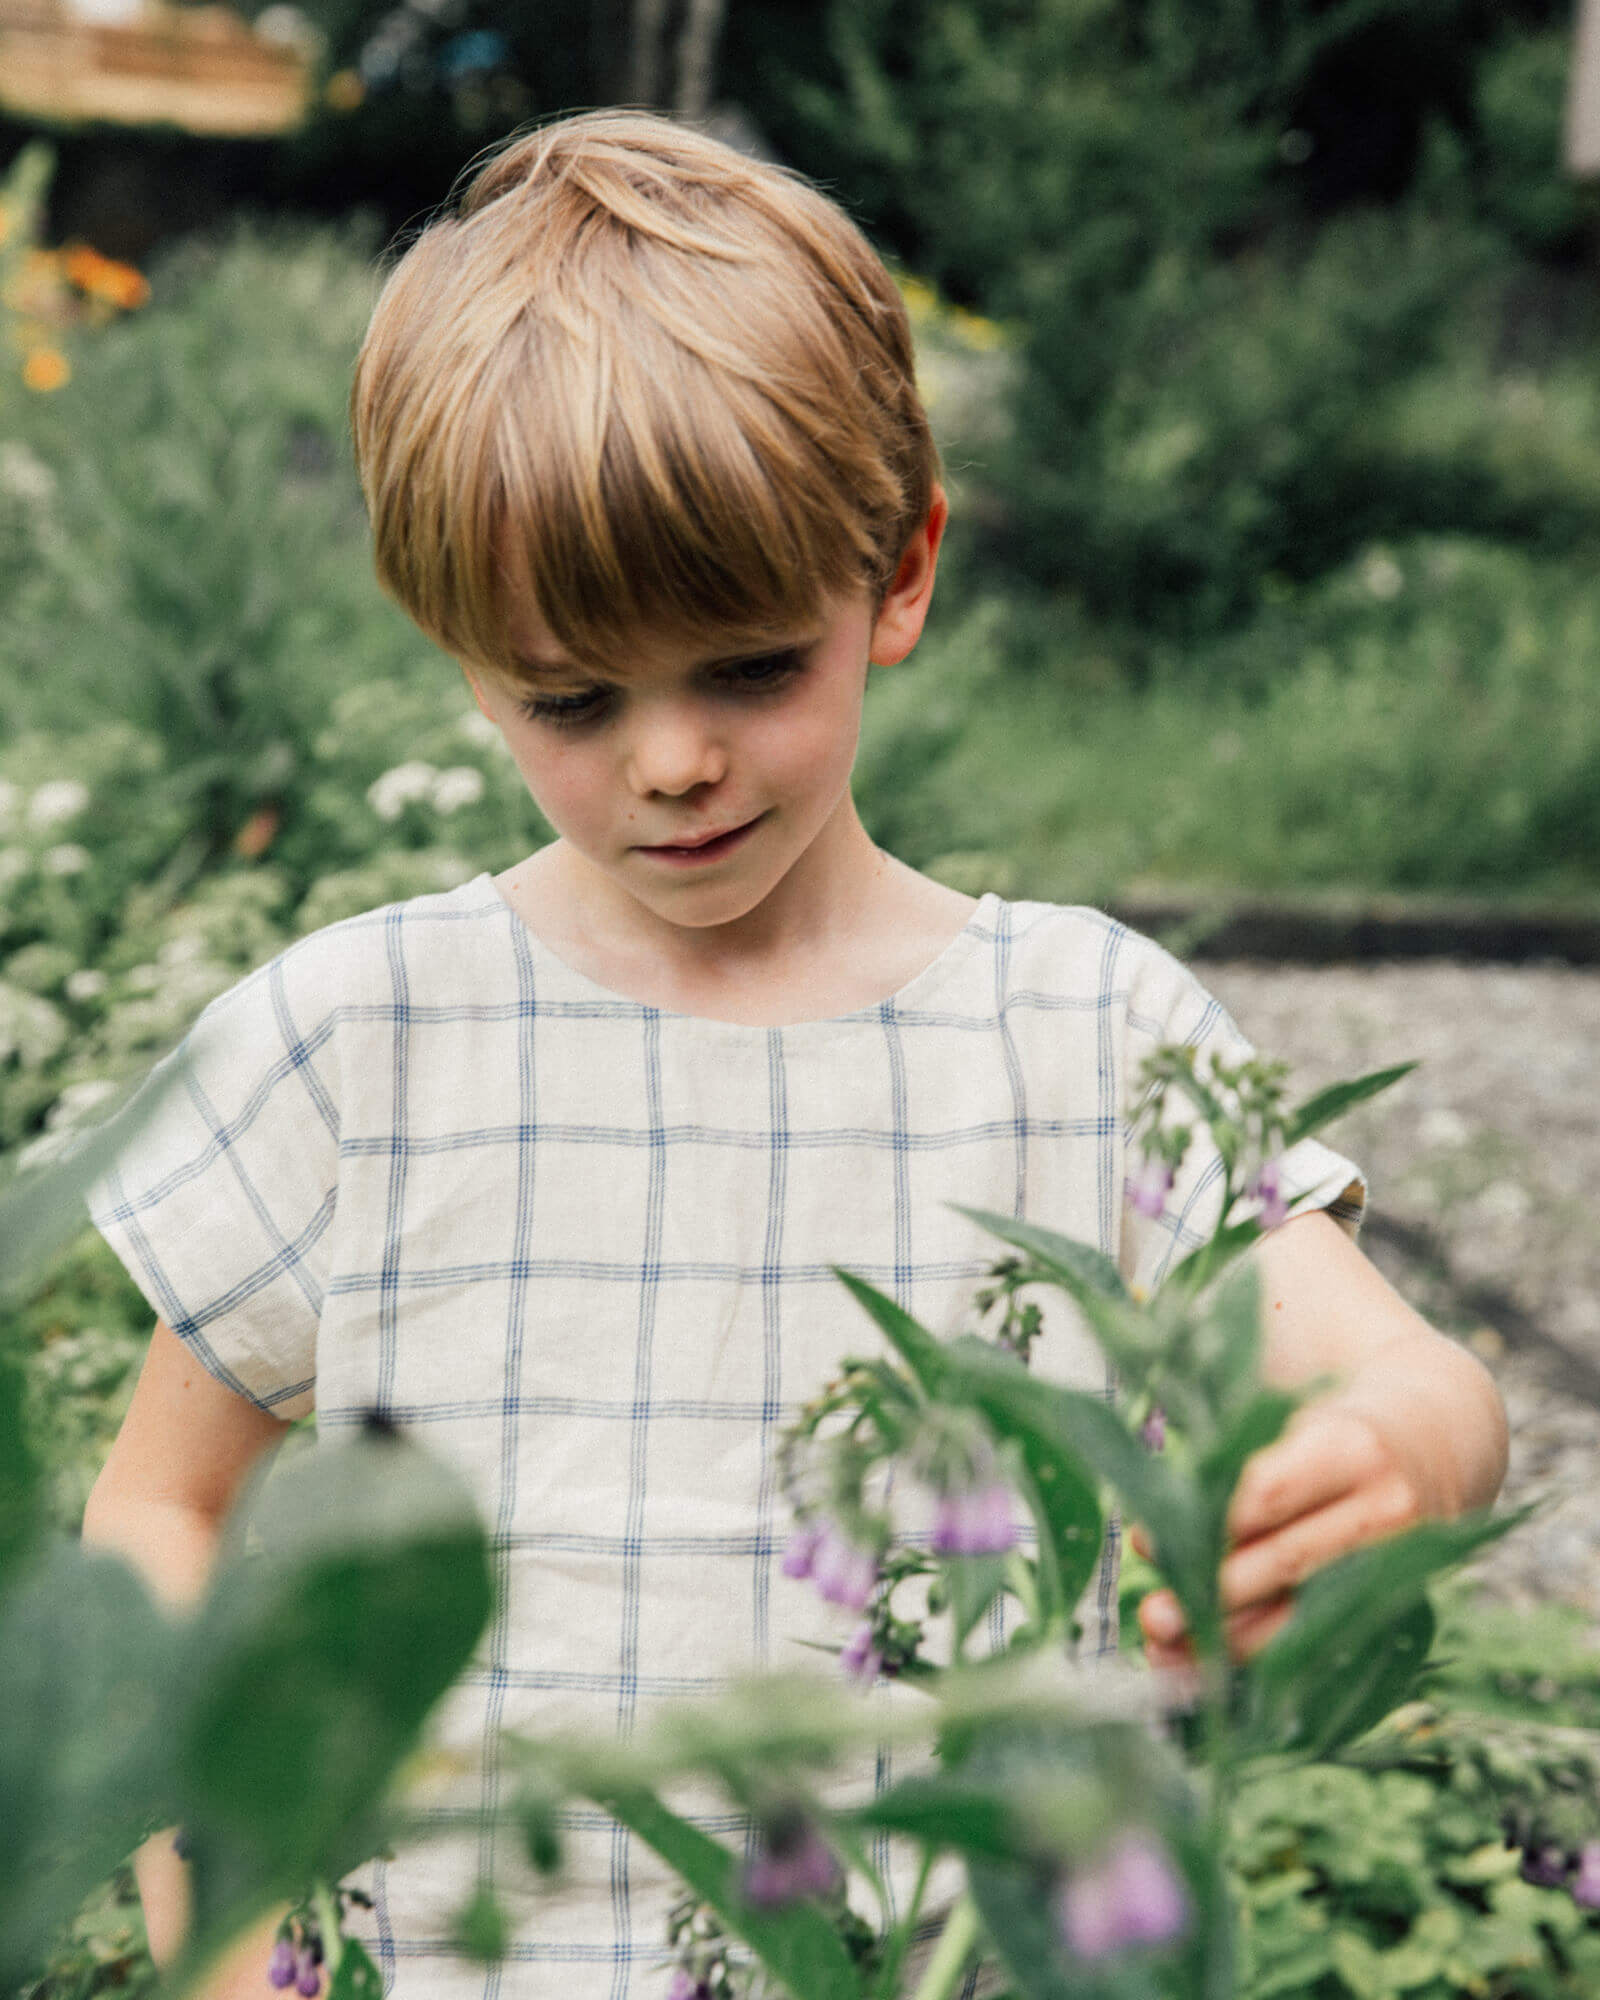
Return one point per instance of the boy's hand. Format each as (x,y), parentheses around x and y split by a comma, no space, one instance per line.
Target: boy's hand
(1334,1481)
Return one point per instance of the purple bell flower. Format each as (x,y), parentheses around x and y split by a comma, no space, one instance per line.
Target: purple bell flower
(1153,1431)
(308,1976)
(1149,1187)
(1267,1188)
(860,1658)
(794,1862)
(281,1966)
(1132,1896)
(975,1523)
(801,1553)
(843,1573)
(1586,1883)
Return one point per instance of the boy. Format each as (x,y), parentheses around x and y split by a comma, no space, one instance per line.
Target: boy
(552,1169)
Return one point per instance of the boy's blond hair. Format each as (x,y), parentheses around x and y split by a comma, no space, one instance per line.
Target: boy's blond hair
(665,388)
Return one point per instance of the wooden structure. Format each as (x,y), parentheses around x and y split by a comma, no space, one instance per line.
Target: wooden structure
(1583,93)
(203,69)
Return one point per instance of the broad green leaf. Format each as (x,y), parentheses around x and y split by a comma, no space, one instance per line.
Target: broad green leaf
(357,1978)
(1233,1319)
(1089,1278)
(1257,1425)
(1080,1266)
(953,1812)
(1071,1508)
(1348,1693)
(1348,1606)
(797,1944)
(42,1210)
(922,1354)
(1068,1429)
(1357,1642)
(1194,1272)
(84,1659)
(1338,1098)
(974,1582)
(311,1666)
(19,1473)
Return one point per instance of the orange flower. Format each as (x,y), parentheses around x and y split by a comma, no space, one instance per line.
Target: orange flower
(46,368)
(104,278)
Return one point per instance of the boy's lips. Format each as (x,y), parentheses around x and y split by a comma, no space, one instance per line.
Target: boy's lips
(704,846)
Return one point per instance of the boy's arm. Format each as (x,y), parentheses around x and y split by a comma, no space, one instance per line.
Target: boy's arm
(1413,1430)
(179,1459)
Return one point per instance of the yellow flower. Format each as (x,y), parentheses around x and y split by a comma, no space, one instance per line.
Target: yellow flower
(344,90)
(46,368)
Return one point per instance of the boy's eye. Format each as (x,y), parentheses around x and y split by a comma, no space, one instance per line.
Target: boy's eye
(764,671)
(585,705)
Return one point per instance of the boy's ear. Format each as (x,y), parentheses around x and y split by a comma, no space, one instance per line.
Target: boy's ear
(900,618)
(477,690)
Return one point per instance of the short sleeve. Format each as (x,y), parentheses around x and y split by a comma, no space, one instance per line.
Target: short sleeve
(1166,1003)
(222,1202)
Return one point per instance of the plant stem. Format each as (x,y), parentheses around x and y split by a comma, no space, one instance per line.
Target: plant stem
(950,1954)
(328,1923)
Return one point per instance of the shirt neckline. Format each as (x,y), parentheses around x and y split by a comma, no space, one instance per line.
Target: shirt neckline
(914,991)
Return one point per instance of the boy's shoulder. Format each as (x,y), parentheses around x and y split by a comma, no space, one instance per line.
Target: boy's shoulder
(397,951)
(1088,946)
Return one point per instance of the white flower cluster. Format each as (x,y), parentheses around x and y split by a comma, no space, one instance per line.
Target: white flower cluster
(55,802)
(418,782)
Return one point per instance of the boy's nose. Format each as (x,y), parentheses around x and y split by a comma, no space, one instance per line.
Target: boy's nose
(673,754)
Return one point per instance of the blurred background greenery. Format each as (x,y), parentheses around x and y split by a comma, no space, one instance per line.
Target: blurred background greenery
(1261,338)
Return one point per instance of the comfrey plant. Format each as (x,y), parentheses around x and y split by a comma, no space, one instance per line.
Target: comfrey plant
(952,1506)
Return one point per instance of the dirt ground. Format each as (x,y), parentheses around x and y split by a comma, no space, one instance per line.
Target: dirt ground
(1492,1147)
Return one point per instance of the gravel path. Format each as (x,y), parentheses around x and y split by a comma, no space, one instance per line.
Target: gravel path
(1493,1147)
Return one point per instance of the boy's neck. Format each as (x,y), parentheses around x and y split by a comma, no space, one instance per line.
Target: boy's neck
(844,930)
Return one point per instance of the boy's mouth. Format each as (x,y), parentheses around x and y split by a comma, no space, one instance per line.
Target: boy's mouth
(705,849)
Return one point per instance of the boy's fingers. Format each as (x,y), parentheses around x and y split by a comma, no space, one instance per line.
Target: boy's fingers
(1250,1630)
(1324,1455)
(1264,1569)
(1161,1617)
(1140,1540)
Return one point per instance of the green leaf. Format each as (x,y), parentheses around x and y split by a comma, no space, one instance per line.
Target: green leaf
(356,1978)
(953,1812)
(1062,1429)
(1079,1266)
(1350,1692)
(42,1210)
(1357,1640)
(1069,1508)
(922,1354)
(84,1661)
(311,1667)
(480,1927)
(19,1473)
(1257,1425)
(798,1944)
(1089,1278)
(974,1582)
(1331,1103)
(1194,1272)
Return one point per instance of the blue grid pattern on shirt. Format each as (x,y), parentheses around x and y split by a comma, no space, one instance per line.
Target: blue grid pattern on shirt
(1061,1059)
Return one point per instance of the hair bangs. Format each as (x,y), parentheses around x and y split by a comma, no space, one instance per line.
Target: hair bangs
(643,387)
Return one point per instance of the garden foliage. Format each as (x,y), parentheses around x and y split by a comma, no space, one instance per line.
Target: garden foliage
(1290,1825)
